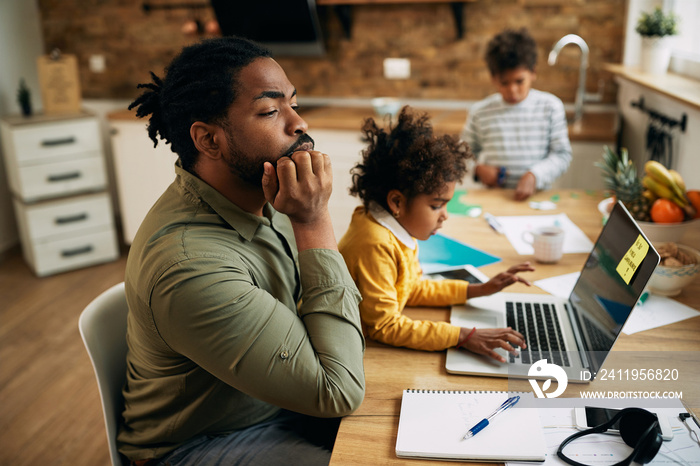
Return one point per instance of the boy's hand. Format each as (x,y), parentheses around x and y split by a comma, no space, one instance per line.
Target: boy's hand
(485,340)
(500,281)
(527,185)
(487,174)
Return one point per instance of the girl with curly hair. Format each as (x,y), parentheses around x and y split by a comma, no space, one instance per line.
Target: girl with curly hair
(406,177)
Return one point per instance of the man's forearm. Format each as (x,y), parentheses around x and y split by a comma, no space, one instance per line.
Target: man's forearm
(316,235)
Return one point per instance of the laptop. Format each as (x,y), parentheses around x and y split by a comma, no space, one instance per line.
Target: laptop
(576,333)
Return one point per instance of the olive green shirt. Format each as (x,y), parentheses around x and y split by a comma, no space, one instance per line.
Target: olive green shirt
(228,323)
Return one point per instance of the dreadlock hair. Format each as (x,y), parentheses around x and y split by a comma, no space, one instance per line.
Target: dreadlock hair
(408,157)
(200,85)
(510,50)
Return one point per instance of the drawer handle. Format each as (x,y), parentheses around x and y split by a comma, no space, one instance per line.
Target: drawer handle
(64,176)
(58,142)
(71,219)
(77,251)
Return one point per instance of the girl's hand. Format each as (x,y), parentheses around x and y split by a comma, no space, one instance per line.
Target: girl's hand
(500,281)
(485,340)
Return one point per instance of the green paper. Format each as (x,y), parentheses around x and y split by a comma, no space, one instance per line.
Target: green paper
(457,207)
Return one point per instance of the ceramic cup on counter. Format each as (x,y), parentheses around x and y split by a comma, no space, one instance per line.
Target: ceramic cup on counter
(548,243)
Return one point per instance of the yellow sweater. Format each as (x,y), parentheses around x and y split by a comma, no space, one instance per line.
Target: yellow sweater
(388,275)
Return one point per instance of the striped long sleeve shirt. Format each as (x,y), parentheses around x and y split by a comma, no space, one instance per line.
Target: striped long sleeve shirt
(531,135)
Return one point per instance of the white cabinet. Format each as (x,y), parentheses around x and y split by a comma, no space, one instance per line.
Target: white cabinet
(56,174)
(582,172)
(344,148)
(142,171)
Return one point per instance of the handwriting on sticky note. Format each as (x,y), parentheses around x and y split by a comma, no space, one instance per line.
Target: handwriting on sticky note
(632,258)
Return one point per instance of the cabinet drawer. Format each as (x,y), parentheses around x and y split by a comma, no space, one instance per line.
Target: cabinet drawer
(45,142)
(64,217)
(60,178)
(47,257)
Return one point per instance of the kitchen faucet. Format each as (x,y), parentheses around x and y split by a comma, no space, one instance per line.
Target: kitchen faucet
(581,90)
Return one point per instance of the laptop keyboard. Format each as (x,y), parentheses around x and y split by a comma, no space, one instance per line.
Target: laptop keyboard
(599,340)
(539,323)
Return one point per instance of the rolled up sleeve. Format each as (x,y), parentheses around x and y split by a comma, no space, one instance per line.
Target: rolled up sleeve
(307,360)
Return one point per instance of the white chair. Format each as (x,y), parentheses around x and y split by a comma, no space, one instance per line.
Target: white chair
(103,328)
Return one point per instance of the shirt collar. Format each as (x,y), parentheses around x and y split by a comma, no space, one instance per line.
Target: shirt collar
(245,223)
(385,219)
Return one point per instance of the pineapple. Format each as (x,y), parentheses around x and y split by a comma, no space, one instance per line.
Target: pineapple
(620,177)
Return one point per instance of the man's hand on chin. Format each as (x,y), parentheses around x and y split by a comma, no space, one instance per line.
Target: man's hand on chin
(300,187)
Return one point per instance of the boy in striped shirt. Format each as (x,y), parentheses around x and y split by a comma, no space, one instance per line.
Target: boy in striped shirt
(519,135)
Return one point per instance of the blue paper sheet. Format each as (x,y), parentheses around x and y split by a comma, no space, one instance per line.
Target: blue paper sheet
(441,252)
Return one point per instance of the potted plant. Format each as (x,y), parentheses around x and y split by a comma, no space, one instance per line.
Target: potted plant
(24,98)
(655,28)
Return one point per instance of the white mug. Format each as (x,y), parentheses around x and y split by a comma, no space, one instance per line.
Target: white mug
(548,243)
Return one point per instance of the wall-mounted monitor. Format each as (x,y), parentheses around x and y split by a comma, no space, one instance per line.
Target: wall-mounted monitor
(286,27)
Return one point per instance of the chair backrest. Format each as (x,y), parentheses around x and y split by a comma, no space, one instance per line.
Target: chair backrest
(103,328)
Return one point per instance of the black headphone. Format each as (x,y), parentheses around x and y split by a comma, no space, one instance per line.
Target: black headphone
(638,428)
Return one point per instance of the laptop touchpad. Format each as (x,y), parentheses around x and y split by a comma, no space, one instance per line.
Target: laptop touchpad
(475,320)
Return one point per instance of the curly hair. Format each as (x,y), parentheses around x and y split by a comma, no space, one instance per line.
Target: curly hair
(509,50)
(200,85)
(408,157)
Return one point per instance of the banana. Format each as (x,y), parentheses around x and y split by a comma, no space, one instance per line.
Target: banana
(663,191)
(678,179)
(650,195)
(661,174)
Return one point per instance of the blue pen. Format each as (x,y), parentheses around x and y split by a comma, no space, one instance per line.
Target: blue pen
(493,223)
(484,422)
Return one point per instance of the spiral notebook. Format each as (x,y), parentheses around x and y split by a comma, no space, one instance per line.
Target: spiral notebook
(432,424)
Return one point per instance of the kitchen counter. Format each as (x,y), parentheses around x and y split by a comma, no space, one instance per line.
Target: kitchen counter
(594,126)
(600,126)
(679,88)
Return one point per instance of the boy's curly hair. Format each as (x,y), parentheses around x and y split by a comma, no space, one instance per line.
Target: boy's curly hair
(408,157)
(511,49)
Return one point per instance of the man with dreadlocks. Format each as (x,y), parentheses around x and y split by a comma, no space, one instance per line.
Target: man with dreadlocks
(245,344)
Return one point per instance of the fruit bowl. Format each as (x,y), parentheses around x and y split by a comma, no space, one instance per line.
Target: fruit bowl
(659,233)
(669,281)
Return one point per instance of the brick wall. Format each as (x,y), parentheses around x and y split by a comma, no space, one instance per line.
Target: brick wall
(442,66)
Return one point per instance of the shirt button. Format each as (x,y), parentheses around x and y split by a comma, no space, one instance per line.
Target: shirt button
(284,354)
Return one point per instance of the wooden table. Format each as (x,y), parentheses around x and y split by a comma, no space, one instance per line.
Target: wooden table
(368,436)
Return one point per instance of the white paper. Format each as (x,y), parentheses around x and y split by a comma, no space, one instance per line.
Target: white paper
(560,286)
(603,449)
(575,241)
(656,311)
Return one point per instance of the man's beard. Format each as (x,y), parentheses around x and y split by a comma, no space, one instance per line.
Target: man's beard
(250,169)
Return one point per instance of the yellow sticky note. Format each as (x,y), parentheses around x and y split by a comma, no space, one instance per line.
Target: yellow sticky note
(632,258)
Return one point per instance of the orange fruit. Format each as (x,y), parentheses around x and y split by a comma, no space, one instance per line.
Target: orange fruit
(665,211)
(694,197)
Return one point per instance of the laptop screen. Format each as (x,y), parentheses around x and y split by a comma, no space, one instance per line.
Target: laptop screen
(613,277)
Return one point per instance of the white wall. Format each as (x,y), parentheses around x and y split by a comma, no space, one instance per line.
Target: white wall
(20,45)
(633,41)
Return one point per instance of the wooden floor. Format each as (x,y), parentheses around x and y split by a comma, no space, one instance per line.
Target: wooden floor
(50,412)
